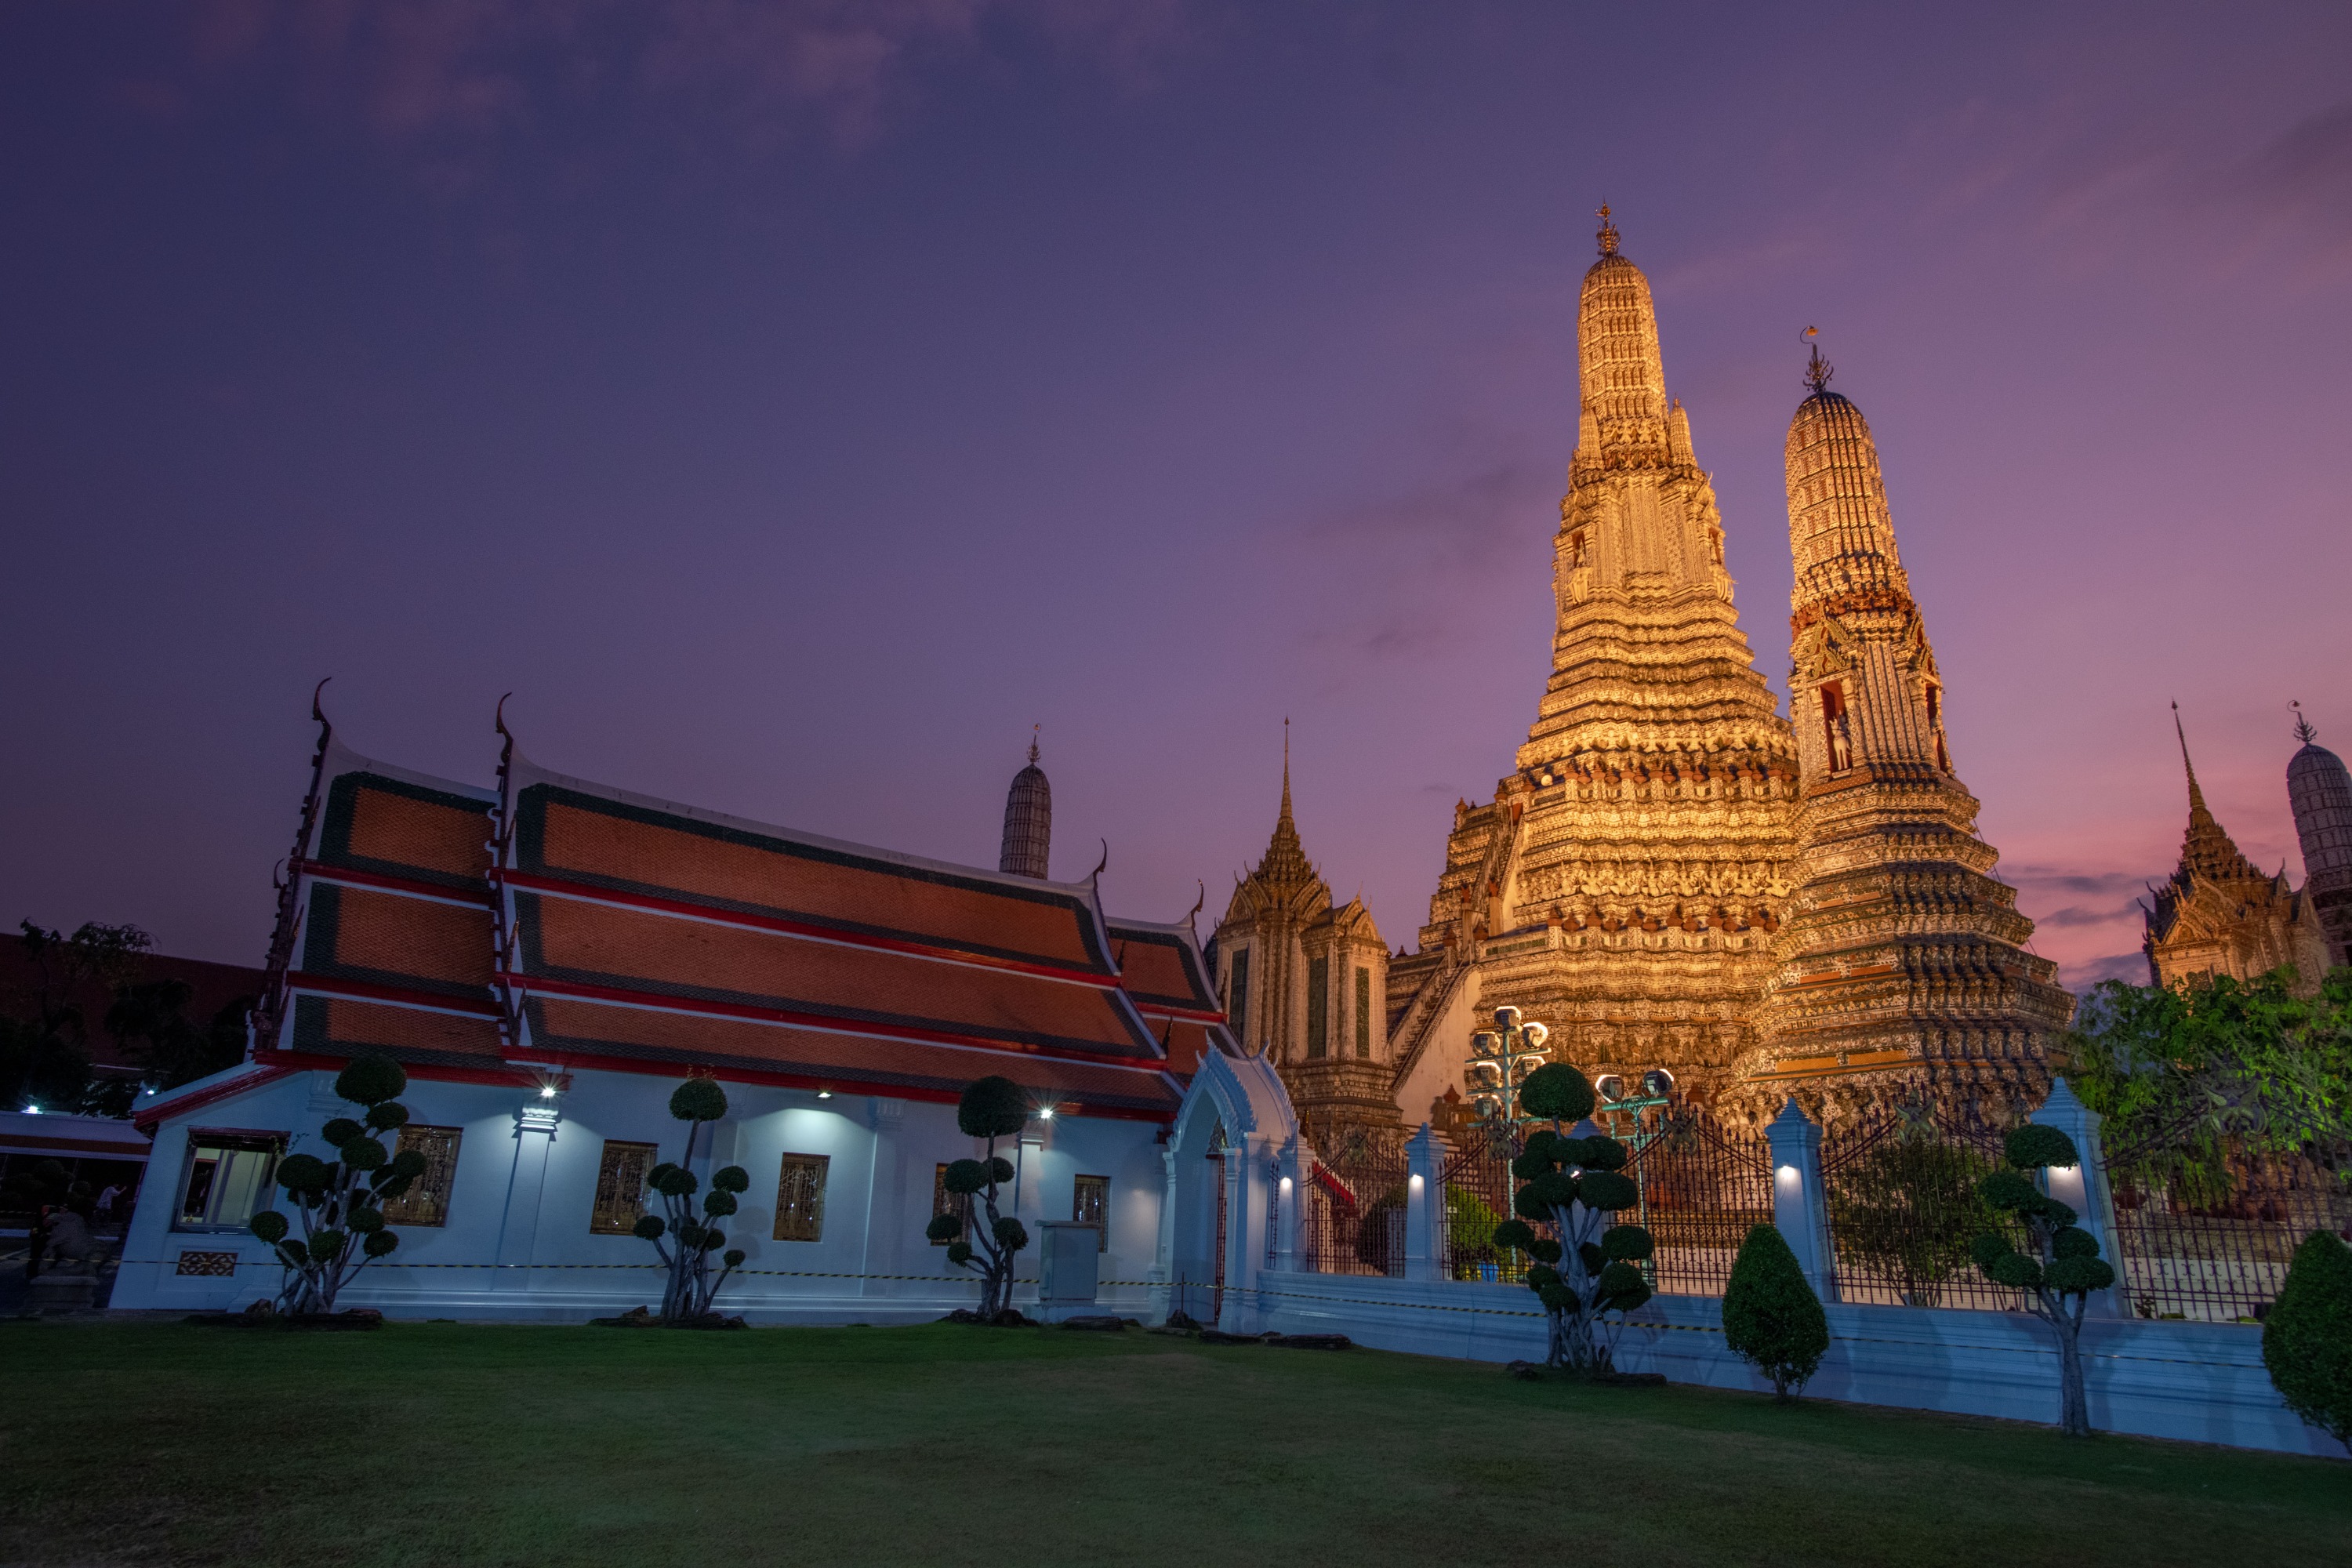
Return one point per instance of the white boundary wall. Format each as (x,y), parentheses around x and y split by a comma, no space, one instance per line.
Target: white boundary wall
(2197,1382)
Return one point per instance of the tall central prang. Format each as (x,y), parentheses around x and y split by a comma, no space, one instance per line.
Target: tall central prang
(1623,883)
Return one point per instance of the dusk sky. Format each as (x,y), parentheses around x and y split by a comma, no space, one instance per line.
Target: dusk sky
(793,402)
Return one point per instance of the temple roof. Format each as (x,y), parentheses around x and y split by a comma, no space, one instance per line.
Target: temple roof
(608,929)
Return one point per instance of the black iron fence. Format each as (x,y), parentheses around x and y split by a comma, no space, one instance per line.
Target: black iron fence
(1901,1184)
(1351,1214)
(1703,1188)
(1478,1186)
(2206,1225)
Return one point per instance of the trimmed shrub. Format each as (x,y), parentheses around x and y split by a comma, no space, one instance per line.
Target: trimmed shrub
(339,1228)
(1771,1318)
(683,1239)
(2308,1335)
(2059,1266)
(991,1108)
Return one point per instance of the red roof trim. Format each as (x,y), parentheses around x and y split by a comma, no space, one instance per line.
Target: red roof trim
(368,991)
(825,1022)
(1187,1015)
(685,908)
(146,1119)
(319,871)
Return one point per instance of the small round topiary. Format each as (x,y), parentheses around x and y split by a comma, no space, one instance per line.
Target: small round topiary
(371,1080)
(1604,1153)
(1557,1297)
(2084,1273)
(1554,1190)
(711,1239)
(302,1174)
(959,1253)
(2010,1190)
(1621,1279)
(731,1179)
(1989,1249)
(733,1257)
(1629,1243)
(2074,1241)
(2034,1147)
(408,1163)
(379,1243)
(2015,1270)
(1539,1142)
(1000,1168)
(649,1227)
(964,1177)
(365,1219)
(718,1201)
(1528,1166)
(1606,1190)
(698,1100)
(268,1225)
(676,1182)
(1544,1249)
(1558,1092)
(366,1155)
(385,1117)
(1011,1234)
(1589,1253)
(1527,1203)
(992,1107)
(944,1228)
(2308,1335)
(326,1246)
(339,1131)
(1515,1235)
(688,1233)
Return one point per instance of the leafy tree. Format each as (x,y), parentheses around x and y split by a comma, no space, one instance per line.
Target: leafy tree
(1771,1318)
(991,1108)
(1586,1267)
(2308,1335)
(1470,1224)
(693,1237)
(1910,1205)
(149,1019)
(2060,1266)
(44,1040)
(338,1203)
(2195,1073)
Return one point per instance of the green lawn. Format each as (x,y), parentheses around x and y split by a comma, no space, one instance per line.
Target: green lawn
(444,1444)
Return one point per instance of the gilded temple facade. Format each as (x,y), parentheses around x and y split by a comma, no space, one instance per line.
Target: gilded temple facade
(2220,914)
(1676,876)
(1306,983)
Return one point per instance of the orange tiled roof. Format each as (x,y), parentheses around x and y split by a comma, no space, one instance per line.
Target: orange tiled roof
(1158,966)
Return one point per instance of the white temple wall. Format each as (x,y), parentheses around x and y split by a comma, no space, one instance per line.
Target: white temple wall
(518,1243)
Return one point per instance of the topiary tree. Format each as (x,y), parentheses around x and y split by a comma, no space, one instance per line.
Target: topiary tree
(1771,1318)
(2059,1265)
(693,1238)
(991,1108)
(338,1203)
(2308,1335)
(1586,1267)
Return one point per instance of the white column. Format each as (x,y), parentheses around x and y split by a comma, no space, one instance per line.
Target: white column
(1293,1171)
(1161,1295)
(1800,1207)
(2083,1187)
(535,1125)
(1424,1206)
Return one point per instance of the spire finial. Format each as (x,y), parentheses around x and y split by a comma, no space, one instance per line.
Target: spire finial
(1286,768)
(2196,796)
(1818,370)
(1608,234)
(1034,731)
(2303,730)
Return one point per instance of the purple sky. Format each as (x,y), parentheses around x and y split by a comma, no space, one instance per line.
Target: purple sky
(792,403)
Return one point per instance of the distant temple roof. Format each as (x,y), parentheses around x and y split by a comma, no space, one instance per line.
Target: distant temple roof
(558,923)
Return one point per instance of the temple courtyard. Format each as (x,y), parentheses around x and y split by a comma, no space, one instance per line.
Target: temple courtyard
(164,1441)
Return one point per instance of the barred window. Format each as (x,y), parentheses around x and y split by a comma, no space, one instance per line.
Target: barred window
(1364,1015)
(1318,1004)
(227,1179)
(1090,1204)
(426,1201)
(800,1198)
(1237,995)
(620,1187)
(946,1201)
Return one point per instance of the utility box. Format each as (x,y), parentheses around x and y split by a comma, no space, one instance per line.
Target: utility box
(1069,1262)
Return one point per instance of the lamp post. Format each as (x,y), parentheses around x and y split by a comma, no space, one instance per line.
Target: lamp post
(1500,1060)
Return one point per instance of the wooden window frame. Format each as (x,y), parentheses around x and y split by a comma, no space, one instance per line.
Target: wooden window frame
(946,1201)
(1100,1218)
(604,1216)
(797,1220)
(398,1210)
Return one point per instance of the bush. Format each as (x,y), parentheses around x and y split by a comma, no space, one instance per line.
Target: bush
(370,1080)
(340,1204)
(2059,1266)
(1771,1318)
(697,1099)
(683,1239)
(991,1108)
(1556,1092)
(2308,1335)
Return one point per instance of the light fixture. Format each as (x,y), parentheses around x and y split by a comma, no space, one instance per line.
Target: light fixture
(32,1109)
(1788,1174)
(824,1094)
(1046,1114)
(1413,1180)
(547,1091)
(1286,1184)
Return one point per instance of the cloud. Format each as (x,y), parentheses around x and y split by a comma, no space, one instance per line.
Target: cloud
(2131,968)
(409,71)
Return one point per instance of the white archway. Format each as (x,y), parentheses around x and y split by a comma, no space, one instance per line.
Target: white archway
(1235,1121)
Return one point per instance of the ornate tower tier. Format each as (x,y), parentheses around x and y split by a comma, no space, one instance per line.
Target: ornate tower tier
(1622,884)
(1900,965)
(2320,791)
(1307,984)
(1028,822)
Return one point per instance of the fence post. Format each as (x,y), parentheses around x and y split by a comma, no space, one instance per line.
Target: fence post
(1424,1206)
(2083,1188)
(1291,1175)
(1800,1207)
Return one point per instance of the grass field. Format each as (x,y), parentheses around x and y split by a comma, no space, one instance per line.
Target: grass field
(138,1443)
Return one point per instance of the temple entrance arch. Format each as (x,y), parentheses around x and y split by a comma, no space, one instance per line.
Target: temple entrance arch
(1235,1121)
